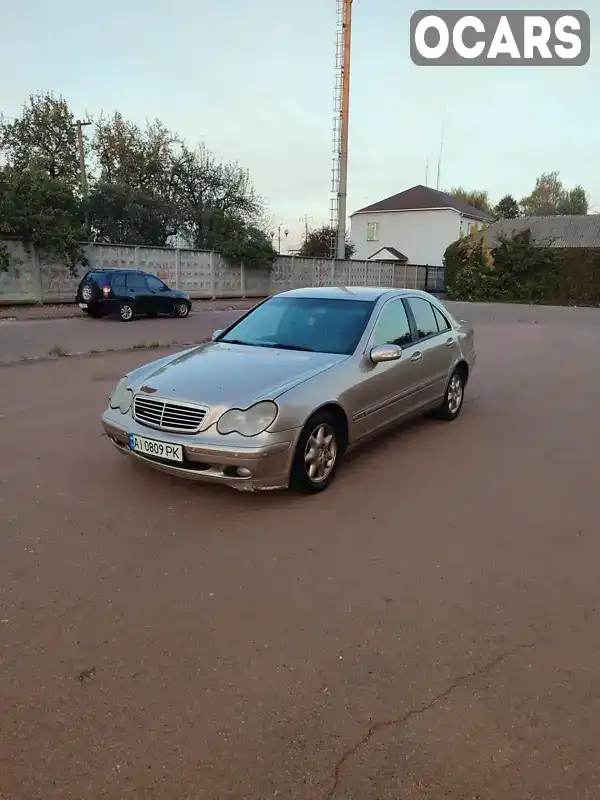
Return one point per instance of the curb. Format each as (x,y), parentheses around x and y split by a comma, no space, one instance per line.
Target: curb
(15,315)
(134,348)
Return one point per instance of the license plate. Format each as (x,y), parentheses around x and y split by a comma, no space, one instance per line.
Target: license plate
(150,447)
(82,305)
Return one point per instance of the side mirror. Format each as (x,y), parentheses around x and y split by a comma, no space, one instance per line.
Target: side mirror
(216,334)
(385,352)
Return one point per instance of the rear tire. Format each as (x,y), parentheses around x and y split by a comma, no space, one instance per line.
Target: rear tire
(125,312)
(87,292)
(454,397)
(318,453)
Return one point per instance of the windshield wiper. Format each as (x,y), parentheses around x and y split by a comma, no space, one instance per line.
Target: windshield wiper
(273,345)
(286,347)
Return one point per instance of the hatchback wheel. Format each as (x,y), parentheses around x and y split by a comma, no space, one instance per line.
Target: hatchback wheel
(125,312)
(453,399)
(318,452)
(181,309)
(86,293)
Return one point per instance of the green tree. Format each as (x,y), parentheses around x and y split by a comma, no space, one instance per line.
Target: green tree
(44,137)
(318,243)
(574,201)
(41,211)
(146,187)
(151,187)
(128,215)
(549,198)
(133,200)
(507,208)
(478,198)
(247,243)
(209,193)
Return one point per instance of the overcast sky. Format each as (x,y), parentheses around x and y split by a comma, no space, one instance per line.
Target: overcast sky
(254,81)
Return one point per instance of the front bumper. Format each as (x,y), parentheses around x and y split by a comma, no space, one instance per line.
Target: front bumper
(212,458)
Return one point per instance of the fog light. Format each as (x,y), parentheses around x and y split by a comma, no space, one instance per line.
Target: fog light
(243,472)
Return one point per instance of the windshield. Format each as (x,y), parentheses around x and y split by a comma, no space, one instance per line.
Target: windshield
(314,324)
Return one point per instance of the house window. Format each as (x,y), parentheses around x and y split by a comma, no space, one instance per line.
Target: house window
(372,231)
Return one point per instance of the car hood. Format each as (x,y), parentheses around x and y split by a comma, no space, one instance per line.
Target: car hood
(220,374)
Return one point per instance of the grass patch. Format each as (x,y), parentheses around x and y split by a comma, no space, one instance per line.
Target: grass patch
(57,352)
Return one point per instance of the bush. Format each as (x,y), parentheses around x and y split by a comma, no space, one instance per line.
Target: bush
(468,271)
(519,271)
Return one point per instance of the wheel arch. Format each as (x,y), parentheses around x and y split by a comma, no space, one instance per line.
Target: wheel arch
(463,367)
(338,413)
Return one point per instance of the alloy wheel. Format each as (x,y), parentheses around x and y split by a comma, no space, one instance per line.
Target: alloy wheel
(320,453)
(455,394)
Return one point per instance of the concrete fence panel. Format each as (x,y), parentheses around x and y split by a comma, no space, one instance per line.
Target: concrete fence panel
(31,278)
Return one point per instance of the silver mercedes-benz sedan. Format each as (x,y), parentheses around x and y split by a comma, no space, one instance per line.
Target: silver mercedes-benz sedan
(276,399)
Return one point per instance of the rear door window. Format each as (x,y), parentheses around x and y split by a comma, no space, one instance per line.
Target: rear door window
(136,282)
(443,324)
(118,282)
(425,320)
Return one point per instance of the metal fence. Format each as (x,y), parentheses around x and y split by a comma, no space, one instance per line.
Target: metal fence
(435,281)
(32,279)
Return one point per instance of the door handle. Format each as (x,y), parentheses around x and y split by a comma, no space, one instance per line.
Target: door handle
(416,357)
(449,342)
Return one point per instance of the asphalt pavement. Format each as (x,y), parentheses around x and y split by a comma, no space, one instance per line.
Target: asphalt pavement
(425,629)
(37,338)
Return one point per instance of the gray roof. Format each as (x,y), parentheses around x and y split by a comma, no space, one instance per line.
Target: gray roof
(569,231)
(420,197)
(396,253)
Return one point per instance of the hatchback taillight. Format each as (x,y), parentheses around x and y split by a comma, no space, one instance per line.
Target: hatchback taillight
(106,291)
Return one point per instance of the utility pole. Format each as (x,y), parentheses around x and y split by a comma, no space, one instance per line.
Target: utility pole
(439,168)
(84,186)
(305,219)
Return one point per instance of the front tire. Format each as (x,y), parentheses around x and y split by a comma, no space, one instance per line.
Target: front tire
(318,452)
(454,397)
(181,309)
(125,312)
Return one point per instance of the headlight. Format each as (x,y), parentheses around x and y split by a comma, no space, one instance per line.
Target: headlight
(121,397)
(250,421)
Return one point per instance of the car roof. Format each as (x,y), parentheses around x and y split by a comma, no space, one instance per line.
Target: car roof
(370,293)
(117,269)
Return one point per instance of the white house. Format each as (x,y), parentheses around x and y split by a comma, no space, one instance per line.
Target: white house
(417,225)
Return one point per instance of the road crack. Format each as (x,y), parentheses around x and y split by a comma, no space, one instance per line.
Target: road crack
(376,728)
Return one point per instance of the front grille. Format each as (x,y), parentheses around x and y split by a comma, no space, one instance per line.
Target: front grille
(175,417)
